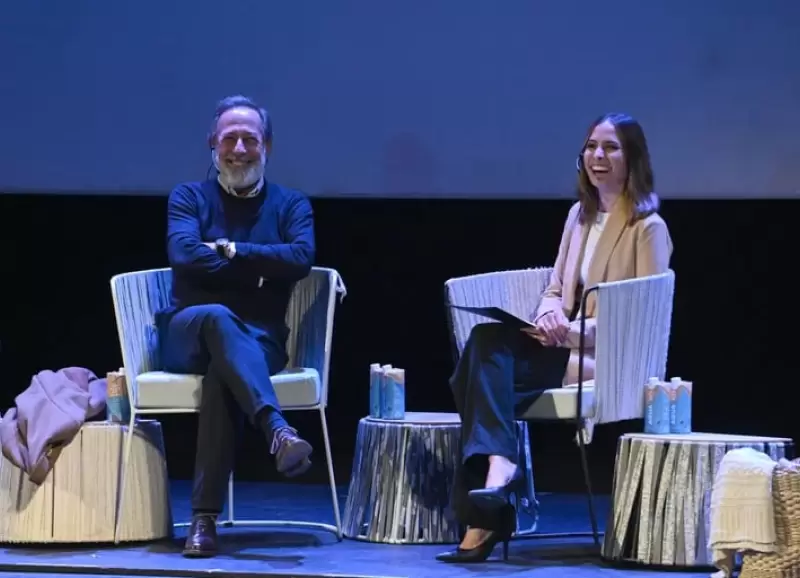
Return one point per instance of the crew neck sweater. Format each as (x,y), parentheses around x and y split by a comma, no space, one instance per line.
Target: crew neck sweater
(273,233)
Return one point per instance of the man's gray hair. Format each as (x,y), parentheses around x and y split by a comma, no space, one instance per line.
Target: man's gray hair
(240,101)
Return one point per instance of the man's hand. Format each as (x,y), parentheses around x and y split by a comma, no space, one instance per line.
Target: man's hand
(230,249)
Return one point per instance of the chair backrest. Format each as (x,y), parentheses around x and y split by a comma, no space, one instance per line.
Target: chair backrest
(139,295)
(517,291)
(634,320)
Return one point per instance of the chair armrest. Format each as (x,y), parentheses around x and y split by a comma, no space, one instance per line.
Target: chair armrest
(310,318)
(137,296)
(634,319)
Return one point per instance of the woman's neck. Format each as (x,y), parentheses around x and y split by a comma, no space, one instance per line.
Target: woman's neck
(607,199)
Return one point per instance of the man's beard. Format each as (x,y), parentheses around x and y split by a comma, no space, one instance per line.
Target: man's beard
(240,177)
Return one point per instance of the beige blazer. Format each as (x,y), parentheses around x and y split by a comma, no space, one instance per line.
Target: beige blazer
(623,251)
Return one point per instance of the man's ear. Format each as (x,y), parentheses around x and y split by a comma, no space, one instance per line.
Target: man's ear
(268,147)
(212,141)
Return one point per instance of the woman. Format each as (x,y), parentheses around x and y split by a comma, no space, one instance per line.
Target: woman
(612,233)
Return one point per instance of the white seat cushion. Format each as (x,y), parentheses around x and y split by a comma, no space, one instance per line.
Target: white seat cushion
(296,388)
(562,403)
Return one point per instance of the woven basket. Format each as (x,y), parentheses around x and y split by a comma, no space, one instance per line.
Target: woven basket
(786,500)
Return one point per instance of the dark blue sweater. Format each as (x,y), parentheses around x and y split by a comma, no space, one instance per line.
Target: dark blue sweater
(274,237)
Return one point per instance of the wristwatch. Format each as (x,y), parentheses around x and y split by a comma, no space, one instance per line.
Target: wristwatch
(222,246)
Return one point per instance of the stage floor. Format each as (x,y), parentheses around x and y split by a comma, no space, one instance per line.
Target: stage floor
(283,553)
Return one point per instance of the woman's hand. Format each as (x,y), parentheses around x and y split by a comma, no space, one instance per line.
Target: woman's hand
(536,333)
(553,328)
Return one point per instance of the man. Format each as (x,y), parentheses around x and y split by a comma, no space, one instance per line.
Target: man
(236,244)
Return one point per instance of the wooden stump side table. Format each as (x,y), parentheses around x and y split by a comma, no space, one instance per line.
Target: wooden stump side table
(78,499)
(402,479)
(660,511)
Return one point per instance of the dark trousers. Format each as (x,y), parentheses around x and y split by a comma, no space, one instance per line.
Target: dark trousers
(501,372)
(237,360)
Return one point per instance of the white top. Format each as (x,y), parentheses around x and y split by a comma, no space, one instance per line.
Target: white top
(591,244)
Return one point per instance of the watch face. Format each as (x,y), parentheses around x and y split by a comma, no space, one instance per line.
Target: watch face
(222,247)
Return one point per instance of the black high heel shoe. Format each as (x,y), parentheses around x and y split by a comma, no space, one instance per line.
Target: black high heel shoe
(478,553)
(498,496)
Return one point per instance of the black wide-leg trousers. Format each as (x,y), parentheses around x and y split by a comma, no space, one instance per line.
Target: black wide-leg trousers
(500,373)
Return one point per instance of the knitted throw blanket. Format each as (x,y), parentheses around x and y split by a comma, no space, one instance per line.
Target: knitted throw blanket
(742,514)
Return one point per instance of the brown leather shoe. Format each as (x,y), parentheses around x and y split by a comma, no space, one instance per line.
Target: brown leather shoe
(202,539)
(291,452)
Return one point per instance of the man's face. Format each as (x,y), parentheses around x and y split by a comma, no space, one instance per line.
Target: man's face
(240,153)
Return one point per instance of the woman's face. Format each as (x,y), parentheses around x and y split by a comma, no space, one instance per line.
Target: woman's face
(604,159)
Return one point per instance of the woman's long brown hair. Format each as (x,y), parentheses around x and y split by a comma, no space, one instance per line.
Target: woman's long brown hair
(637,192)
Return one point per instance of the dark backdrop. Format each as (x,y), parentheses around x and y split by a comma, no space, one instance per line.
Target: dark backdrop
(731,327)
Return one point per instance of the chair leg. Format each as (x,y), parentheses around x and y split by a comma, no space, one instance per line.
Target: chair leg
(126,454)
(588,481)
(230,521)
(329,459)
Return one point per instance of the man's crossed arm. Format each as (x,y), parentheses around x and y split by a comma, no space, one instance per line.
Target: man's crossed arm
(186,250)
(290,260)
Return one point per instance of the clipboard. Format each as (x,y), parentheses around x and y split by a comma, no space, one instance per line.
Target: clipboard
(498,314)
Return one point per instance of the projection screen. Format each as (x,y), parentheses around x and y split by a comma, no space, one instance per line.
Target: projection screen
(425,98)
